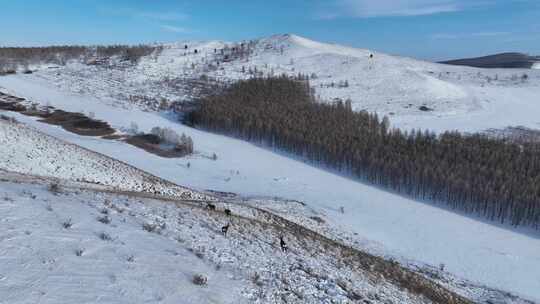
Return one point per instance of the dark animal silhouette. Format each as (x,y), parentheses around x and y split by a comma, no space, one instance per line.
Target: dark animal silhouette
(228,212)
(225,228)
(371,56)
(282,244)
(210,206)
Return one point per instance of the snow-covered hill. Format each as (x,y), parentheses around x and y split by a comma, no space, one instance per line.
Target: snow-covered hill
(459,97)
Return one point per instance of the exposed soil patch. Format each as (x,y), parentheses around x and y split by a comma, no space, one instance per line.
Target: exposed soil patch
(73,122)
(153,144)
(11,106)
(8,72)
(114,137)
(78,123)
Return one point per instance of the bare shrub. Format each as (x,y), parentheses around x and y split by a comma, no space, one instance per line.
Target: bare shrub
(169,136)
(149,227)
(104,220)
(153,227)
(200,280)
(318,219)
(104,236)
(54,188)
(133,128)
(67,224)
(256,279)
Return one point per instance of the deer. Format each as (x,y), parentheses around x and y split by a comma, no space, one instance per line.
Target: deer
(282,244)
(225,228)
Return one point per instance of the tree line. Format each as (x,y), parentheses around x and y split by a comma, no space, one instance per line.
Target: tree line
(493,178)
(14,57)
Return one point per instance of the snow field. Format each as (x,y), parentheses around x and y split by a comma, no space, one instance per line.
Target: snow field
(118,261)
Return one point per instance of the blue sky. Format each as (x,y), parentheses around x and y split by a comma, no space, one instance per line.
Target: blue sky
(428,29)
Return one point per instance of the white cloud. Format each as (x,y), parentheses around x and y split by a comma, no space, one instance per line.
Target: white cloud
(443,36)
(154,18)
(176,29)
(370,8)
(489,34)
(149,15)
(447,36)
(380,8)
(162,16)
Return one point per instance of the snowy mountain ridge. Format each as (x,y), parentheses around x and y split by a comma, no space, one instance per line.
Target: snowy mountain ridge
(394,86)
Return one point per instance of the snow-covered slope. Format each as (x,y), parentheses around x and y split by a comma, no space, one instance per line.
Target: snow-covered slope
(536,65)
(25,150)
(42,260)
(87,246)
(389,85)
(377,221)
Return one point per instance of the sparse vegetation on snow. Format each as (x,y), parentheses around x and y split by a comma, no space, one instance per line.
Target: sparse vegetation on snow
(246,266)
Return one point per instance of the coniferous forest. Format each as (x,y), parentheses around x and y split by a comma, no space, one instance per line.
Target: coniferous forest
(471,173)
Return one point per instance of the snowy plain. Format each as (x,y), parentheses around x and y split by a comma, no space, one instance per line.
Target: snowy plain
(386,224)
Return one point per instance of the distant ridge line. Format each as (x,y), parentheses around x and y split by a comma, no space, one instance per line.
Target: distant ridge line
(502,60)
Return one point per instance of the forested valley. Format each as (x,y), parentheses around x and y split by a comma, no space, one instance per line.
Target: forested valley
(493,178)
